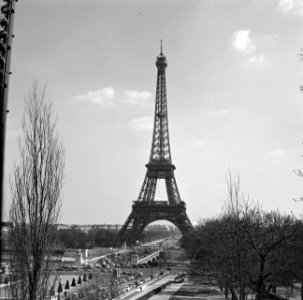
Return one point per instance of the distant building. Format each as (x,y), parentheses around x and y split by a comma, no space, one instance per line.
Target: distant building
(87,227)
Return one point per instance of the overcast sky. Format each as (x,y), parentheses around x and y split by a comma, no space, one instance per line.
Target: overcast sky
(234,103)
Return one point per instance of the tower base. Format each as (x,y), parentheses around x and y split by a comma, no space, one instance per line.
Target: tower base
(144,213)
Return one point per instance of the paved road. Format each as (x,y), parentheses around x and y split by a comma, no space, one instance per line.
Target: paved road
(167,293)
(147,288)
(188,290)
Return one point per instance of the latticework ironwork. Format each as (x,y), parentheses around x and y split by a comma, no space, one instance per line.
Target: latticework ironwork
(146,209)
(7,10)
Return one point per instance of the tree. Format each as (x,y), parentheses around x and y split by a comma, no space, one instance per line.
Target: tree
(35,190)
(106,238)
(247,249)
(74,282)
(72,238)
(67,285)
(52,291)
(60,289)
(223,254)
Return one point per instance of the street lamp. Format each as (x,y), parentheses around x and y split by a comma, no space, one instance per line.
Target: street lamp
(130,255)
(151,270)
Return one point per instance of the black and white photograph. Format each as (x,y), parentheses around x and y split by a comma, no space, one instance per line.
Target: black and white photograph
(151,149)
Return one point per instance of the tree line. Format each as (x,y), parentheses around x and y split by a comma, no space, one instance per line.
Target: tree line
(246,250)
(75,238)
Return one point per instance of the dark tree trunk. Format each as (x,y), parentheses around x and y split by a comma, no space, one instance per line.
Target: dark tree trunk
(242,293)
(260,283)
(226,292)
(233,294)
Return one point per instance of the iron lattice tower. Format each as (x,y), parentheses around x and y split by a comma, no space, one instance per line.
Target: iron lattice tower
(146,209)
(7,10)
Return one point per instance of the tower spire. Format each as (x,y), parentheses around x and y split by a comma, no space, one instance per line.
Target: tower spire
(161,49)
(160,150)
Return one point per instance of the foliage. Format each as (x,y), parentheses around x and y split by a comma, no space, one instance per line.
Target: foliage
(60,288)
(73,282)
(52,291)
(67,285)
(249,250)
(106,238)
(72,238)
(75,238)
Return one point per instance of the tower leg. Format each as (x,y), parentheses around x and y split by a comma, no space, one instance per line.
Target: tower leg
(140,218)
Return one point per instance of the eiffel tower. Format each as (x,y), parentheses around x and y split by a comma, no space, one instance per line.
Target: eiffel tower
(146,209)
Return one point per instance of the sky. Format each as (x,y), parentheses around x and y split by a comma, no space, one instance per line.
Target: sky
(234,103)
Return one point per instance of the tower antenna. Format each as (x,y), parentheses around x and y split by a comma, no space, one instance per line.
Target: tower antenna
(161,50)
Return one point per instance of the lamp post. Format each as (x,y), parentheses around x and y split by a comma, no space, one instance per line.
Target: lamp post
(130,255)
(161,252)
(151,270)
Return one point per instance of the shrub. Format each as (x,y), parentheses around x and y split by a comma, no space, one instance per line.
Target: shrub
(52,291)
(60,288)
(74,282)
(67,285)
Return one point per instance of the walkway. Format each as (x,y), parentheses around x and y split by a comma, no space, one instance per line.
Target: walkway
(188,291)
(147,288)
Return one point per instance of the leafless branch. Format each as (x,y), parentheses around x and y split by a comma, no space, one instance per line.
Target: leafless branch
(35,189)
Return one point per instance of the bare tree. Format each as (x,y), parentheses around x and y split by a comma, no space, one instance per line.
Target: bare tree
(247,249)
(237,205)
(35,190)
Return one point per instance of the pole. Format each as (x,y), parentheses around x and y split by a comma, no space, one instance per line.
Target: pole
(130,256)
(160,261)
(7,13)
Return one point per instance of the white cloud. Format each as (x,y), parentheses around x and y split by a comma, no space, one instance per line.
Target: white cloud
(108,97)
(277,153)
(243,42)
(257,59)
(135,97)
(199,143)
(225,112)
(294,7)
(104,97)
(142,123)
